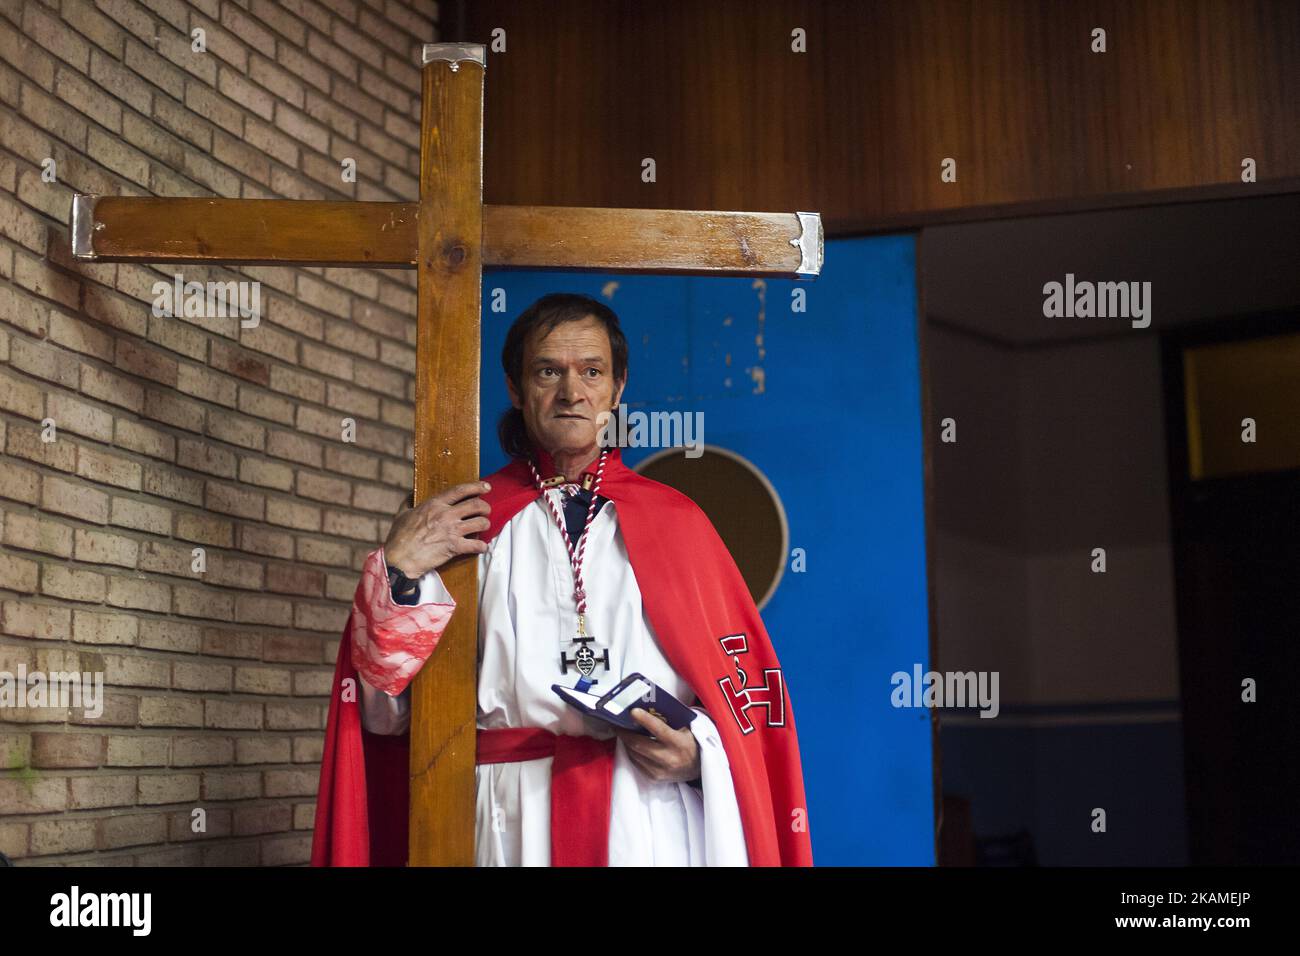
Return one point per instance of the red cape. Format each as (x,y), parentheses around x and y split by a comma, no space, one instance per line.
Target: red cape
(695,598)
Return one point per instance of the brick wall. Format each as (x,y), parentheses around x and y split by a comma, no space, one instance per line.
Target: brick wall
(129,440)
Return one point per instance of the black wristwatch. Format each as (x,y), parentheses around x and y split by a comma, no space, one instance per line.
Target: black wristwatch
(400,585)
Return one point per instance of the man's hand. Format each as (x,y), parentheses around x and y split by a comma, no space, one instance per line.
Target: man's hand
(425,538)
(672,756)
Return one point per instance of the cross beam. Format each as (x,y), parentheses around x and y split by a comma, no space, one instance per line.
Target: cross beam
(447,237)
(384,235)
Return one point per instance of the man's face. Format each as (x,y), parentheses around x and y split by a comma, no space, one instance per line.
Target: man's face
(567,382)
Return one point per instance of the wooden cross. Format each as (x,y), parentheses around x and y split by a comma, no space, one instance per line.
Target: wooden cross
(447,237)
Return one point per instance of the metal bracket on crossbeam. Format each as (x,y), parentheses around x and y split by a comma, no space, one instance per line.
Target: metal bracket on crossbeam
(83,224)
(810,245)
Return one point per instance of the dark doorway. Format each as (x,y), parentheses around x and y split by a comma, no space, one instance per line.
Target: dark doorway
(1236,545)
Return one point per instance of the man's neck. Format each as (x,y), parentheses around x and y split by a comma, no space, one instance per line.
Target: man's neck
(570,464)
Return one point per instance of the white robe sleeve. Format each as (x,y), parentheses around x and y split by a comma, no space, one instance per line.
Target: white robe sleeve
(724,834)
(660,823)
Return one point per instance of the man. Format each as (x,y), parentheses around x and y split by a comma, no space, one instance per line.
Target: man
(587,573)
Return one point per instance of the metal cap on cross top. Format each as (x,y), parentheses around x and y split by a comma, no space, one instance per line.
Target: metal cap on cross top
(454,53)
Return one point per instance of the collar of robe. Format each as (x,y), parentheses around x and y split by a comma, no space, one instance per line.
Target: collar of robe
(513,486)
(550,475)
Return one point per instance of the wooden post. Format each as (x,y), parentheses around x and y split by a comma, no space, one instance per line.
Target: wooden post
(449,265)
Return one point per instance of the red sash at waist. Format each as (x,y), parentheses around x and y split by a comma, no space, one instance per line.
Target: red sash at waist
(582,777)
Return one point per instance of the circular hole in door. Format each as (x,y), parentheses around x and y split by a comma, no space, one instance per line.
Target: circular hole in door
(739,501)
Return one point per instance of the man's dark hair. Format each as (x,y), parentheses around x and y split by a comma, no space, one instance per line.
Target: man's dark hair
(546,313)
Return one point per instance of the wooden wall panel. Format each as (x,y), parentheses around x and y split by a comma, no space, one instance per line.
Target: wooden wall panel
(856,127)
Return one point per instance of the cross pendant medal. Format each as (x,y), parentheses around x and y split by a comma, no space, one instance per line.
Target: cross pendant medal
(584,658)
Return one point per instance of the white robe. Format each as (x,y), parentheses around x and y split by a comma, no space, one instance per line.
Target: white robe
(526,617)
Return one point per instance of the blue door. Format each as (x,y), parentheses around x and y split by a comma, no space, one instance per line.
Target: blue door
(826,403)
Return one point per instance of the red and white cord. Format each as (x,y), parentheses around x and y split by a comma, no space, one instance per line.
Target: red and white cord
(575,553)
